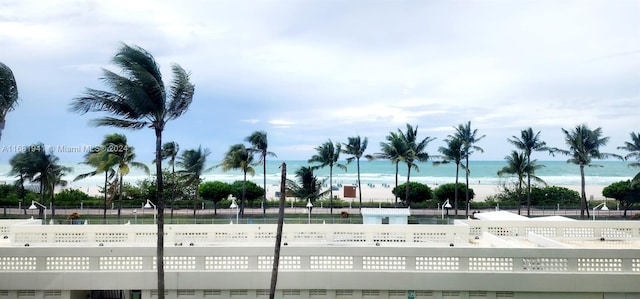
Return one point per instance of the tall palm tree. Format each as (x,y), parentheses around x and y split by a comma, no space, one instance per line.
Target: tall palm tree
(414,152)
(139,99)
(170,151)
(193,163)
(8,94)
(328,155)
(391,150)
(103,161)
(260,145)
(469,138)
(584,146)
(355,147)
(116,145)
(452,153)
(528,142)
(633,148)
(239,157)
(521,167)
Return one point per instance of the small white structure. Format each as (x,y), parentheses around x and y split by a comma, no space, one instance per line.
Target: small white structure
(385,216)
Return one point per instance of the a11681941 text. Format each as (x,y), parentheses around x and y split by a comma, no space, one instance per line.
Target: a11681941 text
(16,148)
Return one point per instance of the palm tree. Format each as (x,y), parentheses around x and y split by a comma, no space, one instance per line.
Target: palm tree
(239,157)
(19,168)
(43,168)
(528,142)
(193,163)
(356,147)
(308,187)
(391,150)
(328,155)
(414,152)
(633,148)
(260,145)
(116,145)
(170,151)
(584,146)
(452,153)
(521,167)
(103,161)
(8,94)
(469,138)
(139,99)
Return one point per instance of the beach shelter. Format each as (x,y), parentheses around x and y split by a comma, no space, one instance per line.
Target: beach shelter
(385,216)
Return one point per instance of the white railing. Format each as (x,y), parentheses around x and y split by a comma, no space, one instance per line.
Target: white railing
(126,235)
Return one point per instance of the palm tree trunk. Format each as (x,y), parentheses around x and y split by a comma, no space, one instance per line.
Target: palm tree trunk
(406,187)
(104,213)
(41,211)
(264,185)
(244,190)
(120,197)
(529,185)
(583,194)
(53,207)
(396,205)
(160,219)
(519,195)
(331,192)
(276,254)
(467,188)
(173,187)
(359,183)
(455,191)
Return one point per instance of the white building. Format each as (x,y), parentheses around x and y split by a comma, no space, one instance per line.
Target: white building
(470,259)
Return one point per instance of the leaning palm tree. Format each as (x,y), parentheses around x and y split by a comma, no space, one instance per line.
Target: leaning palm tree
(528,142)
(238,157)
(414,151)
(520,166)
(116,145)
(328,155)
(452,153)
(584,146)
(469,138)
(192,162)
(8,94)
(44,168)
(355,147)
(170,151)
(139,99)
(633,148)
(260,145)
(391,150)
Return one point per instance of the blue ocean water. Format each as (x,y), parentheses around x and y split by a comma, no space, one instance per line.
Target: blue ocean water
(383,172)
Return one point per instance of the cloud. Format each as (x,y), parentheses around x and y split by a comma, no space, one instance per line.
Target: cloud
(318,70)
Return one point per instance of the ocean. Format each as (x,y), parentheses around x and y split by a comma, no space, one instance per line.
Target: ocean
(383,172)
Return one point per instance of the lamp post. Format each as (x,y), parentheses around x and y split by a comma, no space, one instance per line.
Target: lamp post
(235,206)
(445,205)
(602,206)
(148,205)
(309,207)
(34,206)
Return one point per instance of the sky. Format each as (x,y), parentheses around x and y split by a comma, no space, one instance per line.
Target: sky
(311,71)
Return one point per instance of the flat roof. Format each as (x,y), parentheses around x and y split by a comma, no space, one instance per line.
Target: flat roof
(385,212)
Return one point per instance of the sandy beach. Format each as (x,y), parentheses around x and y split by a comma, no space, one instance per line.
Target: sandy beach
(378,193)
